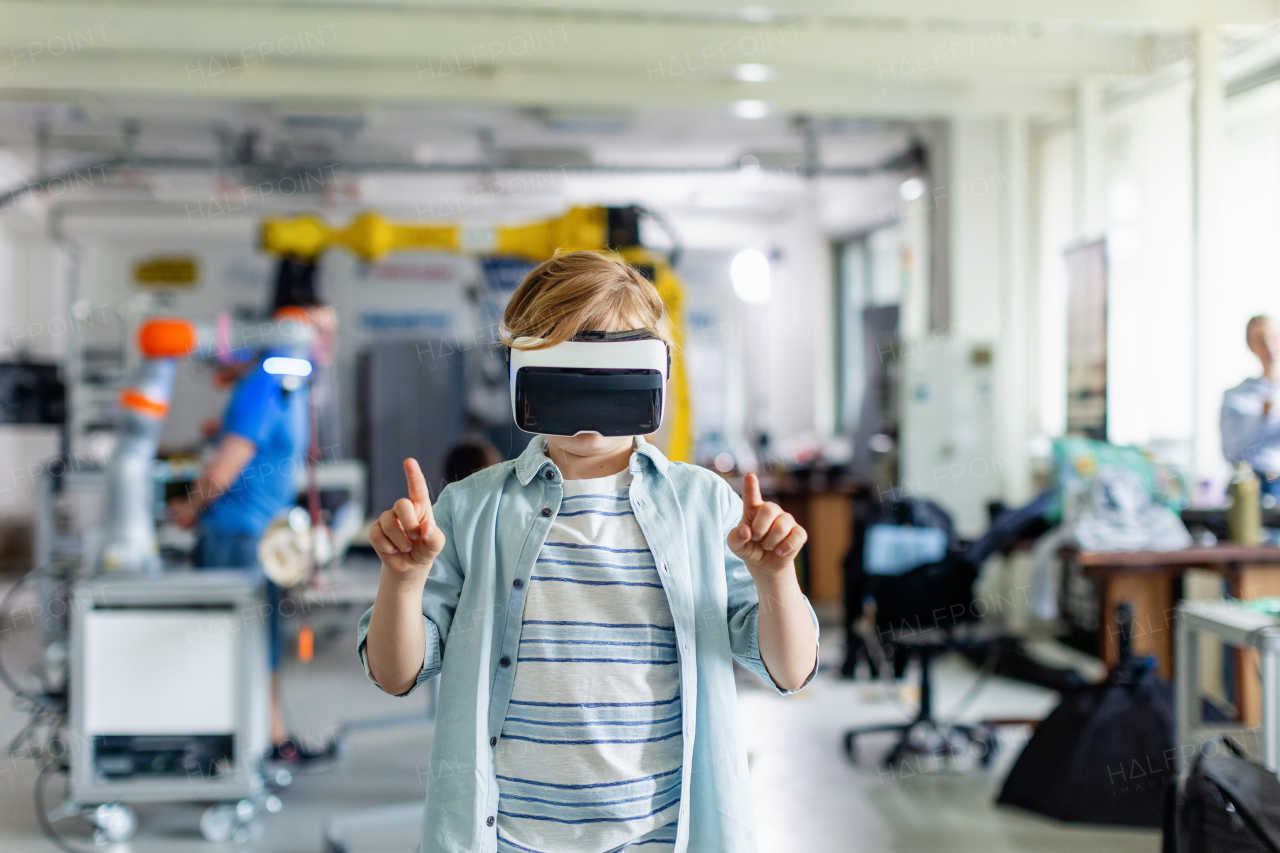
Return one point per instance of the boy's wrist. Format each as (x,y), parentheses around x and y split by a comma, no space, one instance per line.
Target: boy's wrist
(400,582)
(774,581)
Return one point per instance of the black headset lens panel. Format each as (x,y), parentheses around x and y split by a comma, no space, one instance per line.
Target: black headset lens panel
(566,401)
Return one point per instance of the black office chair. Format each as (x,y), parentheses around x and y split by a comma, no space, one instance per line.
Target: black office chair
(920,613)
(925,735)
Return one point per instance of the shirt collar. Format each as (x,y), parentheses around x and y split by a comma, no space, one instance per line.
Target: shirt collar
(534,458)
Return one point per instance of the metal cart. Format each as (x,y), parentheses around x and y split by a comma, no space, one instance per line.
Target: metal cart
(169,699)
(1239,626)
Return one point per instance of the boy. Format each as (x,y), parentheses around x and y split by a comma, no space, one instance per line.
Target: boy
(583,605)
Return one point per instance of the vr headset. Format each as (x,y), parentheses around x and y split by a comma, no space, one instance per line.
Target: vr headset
(613,383)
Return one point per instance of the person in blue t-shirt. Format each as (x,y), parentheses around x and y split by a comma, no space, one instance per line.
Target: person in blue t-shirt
(249,480)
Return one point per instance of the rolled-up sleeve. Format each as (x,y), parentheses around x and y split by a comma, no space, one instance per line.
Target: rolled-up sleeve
(439,600)
(744,602)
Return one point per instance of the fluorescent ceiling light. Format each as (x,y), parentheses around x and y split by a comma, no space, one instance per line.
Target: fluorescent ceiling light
(750,109)
(752,72)
(281,366)
(750,275)
(757,14)
(911,189)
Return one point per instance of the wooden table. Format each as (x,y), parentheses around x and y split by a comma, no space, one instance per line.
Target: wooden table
(1151,582)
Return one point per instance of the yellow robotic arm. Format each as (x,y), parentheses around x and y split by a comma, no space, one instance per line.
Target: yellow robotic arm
(371,237)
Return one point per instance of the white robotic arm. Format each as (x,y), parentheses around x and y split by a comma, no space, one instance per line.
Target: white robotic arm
(144,403)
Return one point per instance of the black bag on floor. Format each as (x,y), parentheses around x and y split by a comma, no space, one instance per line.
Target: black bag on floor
(1105,755)
(1228,805)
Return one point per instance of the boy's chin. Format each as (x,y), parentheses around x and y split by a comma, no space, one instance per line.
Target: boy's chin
(591,443)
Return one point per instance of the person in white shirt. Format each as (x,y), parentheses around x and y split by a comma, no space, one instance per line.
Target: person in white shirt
(1250,414)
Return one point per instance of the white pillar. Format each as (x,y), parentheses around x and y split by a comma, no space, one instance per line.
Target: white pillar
(823,301)
(1014,351)
(1090,178)
(1206,164)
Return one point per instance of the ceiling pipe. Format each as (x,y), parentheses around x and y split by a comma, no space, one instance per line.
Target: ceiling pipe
(85,174)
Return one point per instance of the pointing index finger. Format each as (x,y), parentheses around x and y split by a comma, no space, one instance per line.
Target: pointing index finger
(418,491)
(751,500)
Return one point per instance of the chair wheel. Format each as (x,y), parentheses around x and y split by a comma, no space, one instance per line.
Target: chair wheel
(851,746)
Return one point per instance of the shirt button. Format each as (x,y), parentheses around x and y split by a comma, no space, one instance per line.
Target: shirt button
(504,661)
(551,475)
(488,821)
(493,741)
(517,583)
(546,512)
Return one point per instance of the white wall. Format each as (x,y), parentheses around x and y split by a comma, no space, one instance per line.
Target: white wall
(1055,231)
(32,321)
(975,190)
(1147,155)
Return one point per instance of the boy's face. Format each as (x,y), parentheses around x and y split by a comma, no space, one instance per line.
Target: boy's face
(588,444)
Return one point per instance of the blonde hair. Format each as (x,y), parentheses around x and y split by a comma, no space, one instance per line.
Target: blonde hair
(1254,322)
(579,292)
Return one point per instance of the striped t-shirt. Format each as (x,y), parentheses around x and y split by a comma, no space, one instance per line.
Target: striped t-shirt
(591,751)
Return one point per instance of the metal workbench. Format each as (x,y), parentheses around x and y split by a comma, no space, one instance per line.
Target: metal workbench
(1236,625)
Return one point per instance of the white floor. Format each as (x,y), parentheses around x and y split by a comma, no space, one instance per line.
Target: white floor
(809,797)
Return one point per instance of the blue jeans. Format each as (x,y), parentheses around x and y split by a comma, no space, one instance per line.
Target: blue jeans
(229,550)
(1268,487)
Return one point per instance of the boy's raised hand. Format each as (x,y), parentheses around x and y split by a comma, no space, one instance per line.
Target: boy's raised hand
(406,536)
(767,539)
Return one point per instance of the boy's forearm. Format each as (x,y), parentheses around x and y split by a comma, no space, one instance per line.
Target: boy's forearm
(396,642)
(788,645)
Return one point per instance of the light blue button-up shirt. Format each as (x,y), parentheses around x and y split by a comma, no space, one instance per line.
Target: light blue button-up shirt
(495,523)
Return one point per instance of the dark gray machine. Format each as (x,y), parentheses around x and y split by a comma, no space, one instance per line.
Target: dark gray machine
(412,402)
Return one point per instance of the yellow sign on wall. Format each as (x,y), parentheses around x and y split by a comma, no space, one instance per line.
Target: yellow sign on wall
(171,271)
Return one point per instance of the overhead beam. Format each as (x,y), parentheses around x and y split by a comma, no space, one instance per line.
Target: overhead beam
(1165,14)
(415,53)
(39,33)
(355,84)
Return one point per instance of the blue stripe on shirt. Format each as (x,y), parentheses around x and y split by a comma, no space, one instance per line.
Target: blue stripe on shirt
(598,705)
(594,785)
(594,740)
(595,583)
(599,548)
(585,723)
(640,567)
(599,624)
(654,795)
(591,512)
(601,660)
(591,820)
(594,643)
